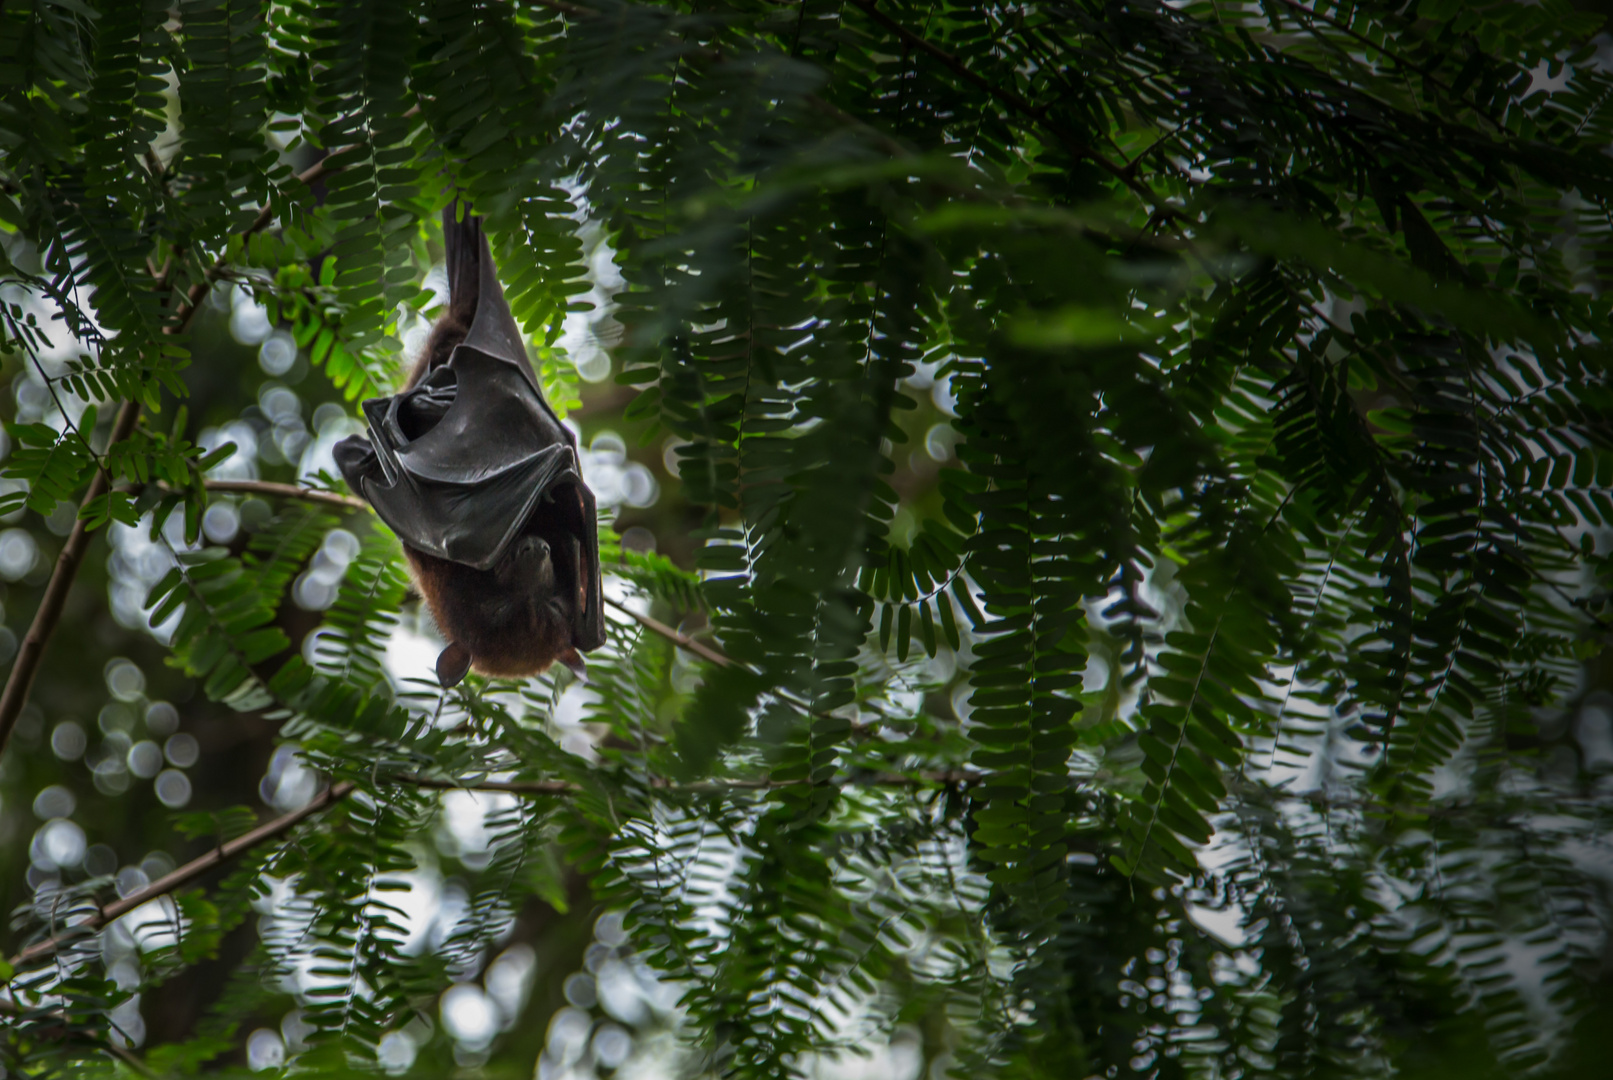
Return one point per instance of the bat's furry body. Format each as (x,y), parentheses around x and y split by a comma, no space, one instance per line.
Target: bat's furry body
(492,483)
(510,619)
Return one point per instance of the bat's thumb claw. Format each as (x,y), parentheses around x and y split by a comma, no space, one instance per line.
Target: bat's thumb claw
(452,663)
(573,660)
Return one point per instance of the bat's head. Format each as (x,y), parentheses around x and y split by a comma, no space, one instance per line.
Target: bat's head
(527,568)
(514,619)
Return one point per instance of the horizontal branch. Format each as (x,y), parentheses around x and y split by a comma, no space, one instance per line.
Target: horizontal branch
(677,637)
(349,502)
(654,625)
(230,849)
(184,875)
(944,778)
(287,491)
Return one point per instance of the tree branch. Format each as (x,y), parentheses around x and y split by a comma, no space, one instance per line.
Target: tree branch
(677,637)
(31,651)
(955,777)
(194,295)
(287,491)
(184,875)
(228,850)
(349,502)
(127,1056)
(655,626)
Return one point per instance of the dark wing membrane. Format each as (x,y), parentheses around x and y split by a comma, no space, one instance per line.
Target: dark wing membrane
(589,631)
(467,487)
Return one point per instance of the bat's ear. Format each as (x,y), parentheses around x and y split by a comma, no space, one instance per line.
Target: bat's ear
(452,663)
(573,660)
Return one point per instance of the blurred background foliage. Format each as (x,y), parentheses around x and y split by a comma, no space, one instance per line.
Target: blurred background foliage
(1106,507)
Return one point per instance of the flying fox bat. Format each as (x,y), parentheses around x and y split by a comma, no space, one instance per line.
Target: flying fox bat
(477,476)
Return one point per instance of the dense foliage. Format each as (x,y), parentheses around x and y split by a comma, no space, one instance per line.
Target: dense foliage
(1109,563)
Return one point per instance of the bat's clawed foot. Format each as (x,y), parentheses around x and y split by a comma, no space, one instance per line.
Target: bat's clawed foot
(452,664)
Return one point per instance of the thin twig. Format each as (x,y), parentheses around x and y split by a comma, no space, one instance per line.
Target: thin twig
(706,652)
(117,1050)
(337,792)
(508,787)
(307,177)
(197,291)
(184,875)
(129,1058)
(677,637)
(287,491)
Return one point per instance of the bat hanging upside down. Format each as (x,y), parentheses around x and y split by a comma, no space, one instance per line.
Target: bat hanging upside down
(472,469)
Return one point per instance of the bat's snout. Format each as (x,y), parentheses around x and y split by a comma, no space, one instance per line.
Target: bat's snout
(528,564)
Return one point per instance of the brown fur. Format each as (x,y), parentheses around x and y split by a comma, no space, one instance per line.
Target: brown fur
(448,332)
(508,630)
(511,619)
